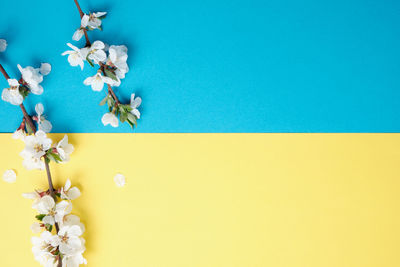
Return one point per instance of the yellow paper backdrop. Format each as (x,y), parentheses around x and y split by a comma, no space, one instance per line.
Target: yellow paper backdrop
(220,200)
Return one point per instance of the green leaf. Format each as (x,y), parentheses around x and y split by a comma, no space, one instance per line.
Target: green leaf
(132,118)
(121,108)
(53,156)
(29,129)
(89,61)
(123,116)
(128,108)
(104,101)
(57,157)
(110,103)
(48,227)
(23,90)
(130,123)
(40,216)
(110,74)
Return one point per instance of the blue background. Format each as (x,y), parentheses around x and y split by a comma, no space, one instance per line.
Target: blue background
(219,65)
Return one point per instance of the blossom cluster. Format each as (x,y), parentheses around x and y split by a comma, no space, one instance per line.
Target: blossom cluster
(67,244)
(40,148)
(111,61)
(60,243)
(30,81)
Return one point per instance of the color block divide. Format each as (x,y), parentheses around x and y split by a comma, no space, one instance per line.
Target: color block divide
(220,200)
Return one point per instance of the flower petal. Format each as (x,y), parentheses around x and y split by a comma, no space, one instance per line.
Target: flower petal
(67,184)
(9,176)
(3,45)
(84,21)
(74,193)
(45,69)
(39,109)
(77,34)
(119,180)
(97,84)
(136,102)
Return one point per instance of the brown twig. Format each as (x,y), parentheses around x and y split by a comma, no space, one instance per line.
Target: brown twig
(28,119)
(51,188)
(84,30)
(110,90)
(26,115)
(3,71)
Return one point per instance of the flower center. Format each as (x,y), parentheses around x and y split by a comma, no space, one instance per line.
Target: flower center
(64,239)
(38,147)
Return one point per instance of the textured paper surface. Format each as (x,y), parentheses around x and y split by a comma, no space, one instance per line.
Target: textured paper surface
(220,200)
(219,65)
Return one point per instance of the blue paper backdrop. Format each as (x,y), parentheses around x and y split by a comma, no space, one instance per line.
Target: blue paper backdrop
(220,65)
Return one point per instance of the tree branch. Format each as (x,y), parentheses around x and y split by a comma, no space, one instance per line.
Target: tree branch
(26,115)
(110,90)
(3,71)
(84,30)
(28,119)
(51,187)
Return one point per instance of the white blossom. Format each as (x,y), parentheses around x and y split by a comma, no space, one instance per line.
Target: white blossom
(76,56)
(9,176)
(19,134)
(78,34)
(135,103)
(110,118)
(3,45)
(12,94)
(74,260)
(36,227)
(118,56)
(68,192)
(97,81)
(64,149)
(92,21)
(44,125)
(72,219)
(32,78)
(69,241)
(54,212)
(43,249)
(32,195)
(119,180)
(37,144)
(35,147)
(96,52)
(45,69)
(30,162)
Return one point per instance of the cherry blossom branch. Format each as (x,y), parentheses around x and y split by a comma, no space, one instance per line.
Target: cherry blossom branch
(52,193)
(29,121)
(88,43)
(27,117)
(111,92)
(112,69)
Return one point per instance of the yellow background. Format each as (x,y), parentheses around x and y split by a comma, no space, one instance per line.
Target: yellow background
(220,200)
